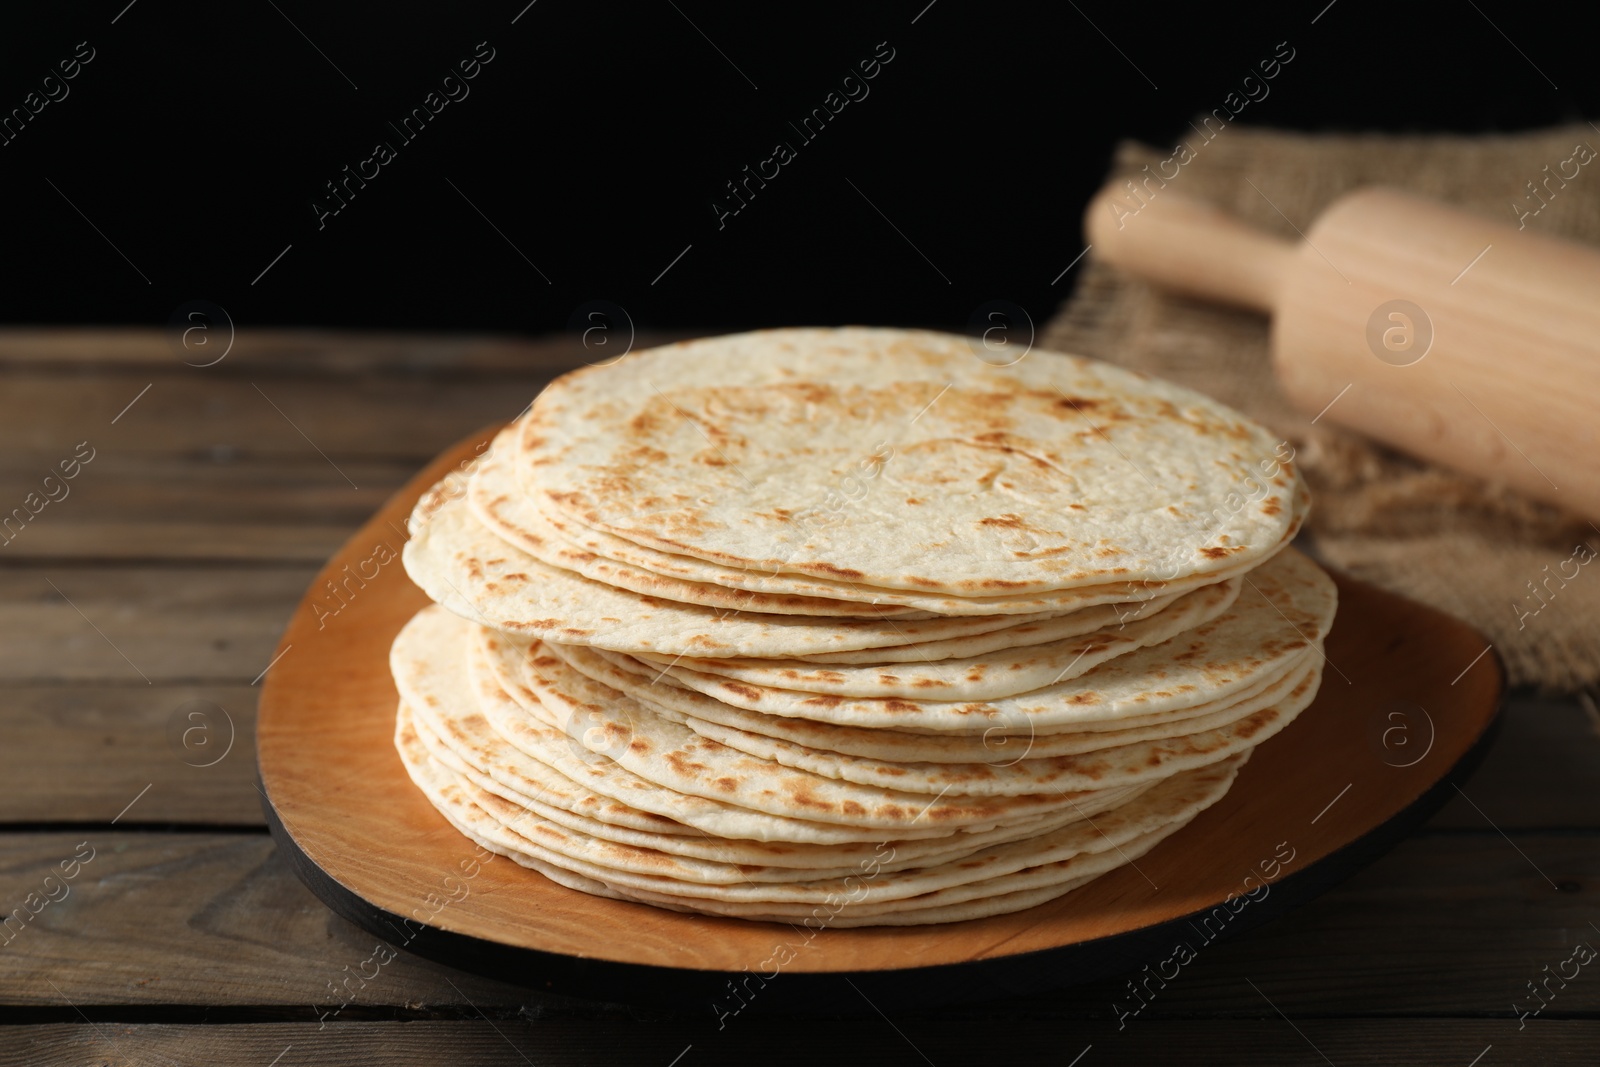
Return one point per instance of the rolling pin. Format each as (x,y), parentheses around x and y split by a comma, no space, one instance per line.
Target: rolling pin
(1456,338)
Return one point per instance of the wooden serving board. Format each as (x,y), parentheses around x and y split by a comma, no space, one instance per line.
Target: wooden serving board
(1408,701)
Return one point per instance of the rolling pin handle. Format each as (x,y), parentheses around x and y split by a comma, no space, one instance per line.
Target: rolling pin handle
(1187,246)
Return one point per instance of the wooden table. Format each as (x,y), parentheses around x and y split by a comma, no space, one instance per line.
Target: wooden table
(164,576)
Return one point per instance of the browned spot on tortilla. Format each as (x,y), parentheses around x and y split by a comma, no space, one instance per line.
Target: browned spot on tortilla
(684,766)
(742,690)
(999,583)
(1008,521)
(803,798)
(727,785)
(1214,552)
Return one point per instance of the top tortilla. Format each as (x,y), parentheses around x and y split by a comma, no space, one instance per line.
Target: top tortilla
(898,459)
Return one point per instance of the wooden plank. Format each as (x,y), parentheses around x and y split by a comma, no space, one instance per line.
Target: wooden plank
(214,505)
(313,352)
(1544,772)
(1449,923)
(1541,773)
(146,625)
(161,918)
(82,753)
(909,1040)
(1453,924)
(370,416)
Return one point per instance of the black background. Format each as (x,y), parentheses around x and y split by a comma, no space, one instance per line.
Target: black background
(598,137)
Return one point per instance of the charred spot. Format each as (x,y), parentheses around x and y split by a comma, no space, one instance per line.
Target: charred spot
(1214,552)
(1008,521)
(838,572)
(742,690)
(1271,507)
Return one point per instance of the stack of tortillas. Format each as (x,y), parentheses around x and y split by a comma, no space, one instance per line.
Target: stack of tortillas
(853,626)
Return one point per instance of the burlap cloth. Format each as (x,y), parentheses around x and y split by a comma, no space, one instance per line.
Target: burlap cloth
(1465,546)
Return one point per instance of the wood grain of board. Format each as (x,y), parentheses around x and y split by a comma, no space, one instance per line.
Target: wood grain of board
(210,504)
(80,753)
(518,1043)
(1453,924)
(267,416)
(143,625)
(312,352)
(202,918)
